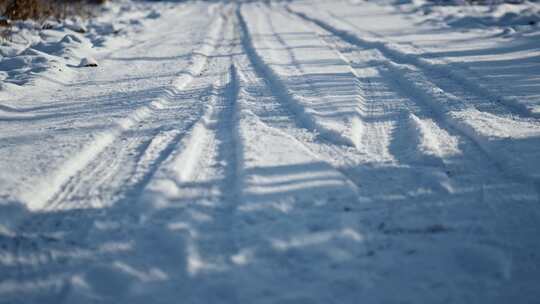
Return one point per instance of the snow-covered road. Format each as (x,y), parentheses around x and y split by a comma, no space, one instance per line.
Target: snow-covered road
(302,152)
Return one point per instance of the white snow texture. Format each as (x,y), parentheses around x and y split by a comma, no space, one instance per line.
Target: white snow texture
(272,152)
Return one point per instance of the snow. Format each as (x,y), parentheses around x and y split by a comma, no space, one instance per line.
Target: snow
(88,62)
(272,152)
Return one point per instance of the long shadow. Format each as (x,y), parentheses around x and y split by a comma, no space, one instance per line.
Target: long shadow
(310,231)
(466,79)
(324,247)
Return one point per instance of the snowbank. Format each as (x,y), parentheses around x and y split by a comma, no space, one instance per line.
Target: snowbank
(459,14)
(56,47)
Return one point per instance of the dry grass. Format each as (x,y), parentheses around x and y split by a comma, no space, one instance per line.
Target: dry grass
(40,10)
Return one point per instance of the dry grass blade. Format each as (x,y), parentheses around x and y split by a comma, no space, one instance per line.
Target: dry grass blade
(42,9)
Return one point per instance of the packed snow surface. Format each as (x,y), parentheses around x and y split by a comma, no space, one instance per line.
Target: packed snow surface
(288,152)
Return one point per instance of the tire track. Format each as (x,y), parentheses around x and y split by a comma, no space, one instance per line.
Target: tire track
(456,178)
(289,171)
(203,174)
(347,139)
(87,175)
(377,117)
(107,140)
(279,89)
(343,160)
(379,101)
(375,137)
(221,234)
(450,80)
(417,87)
(339,155)
(478,166)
